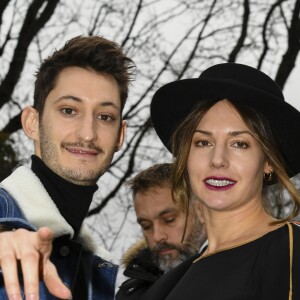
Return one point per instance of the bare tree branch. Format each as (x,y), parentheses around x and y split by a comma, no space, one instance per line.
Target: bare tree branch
(166,64)
(138,9)
(240,43)
(264,32)
(13,125)
(34,21)
(192,53)
(288,60)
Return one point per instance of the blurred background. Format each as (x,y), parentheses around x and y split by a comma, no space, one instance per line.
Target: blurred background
(168,40)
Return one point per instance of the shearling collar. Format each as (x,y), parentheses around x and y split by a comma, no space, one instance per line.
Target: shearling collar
(40,210)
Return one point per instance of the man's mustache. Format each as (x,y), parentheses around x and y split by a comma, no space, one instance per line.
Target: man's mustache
(90,146)
(165,246)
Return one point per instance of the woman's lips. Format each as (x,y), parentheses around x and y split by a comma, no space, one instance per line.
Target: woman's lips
(219,184)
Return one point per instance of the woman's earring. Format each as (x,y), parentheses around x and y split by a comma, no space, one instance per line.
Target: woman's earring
(268,176)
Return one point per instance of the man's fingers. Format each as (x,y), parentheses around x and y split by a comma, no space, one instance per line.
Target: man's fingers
(10,275)
(30,259)
(33,250)
(45,238)
(45,234)
(53,282)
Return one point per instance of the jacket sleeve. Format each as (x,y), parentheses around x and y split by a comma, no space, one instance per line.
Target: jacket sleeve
(11,216)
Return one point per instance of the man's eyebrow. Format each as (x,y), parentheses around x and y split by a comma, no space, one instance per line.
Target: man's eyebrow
(231,133)
(69,97)
(140,220)
(167,211)
(78,99)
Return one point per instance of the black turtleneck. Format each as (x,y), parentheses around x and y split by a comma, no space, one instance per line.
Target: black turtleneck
(72,200)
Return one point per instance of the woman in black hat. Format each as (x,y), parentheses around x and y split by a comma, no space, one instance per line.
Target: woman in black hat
(231,134)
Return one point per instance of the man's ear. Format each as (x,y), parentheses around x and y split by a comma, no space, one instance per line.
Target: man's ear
(121,136)
(30,122)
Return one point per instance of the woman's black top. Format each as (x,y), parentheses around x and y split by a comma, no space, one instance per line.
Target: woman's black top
(257,270)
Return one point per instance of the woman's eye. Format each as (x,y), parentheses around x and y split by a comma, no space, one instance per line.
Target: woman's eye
(203,143)
(105,118)
(68,111)
(240,145)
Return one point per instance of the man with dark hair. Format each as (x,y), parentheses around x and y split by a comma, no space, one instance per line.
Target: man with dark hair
(76,125)
(171,234)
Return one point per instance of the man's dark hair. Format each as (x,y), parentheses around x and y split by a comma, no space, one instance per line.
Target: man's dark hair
(92,53)
(158,175)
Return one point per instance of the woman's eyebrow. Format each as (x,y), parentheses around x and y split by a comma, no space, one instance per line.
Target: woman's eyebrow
(231,133)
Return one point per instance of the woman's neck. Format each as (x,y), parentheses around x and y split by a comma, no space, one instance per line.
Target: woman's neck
(232,228)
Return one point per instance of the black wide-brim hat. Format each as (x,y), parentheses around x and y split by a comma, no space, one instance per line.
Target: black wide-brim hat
(242,84)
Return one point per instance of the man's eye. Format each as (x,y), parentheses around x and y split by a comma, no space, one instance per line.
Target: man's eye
(170,220)
(145,227)
(68,111)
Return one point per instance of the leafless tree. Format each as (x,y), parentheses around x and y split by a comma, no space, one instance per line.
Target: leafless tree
(168,40)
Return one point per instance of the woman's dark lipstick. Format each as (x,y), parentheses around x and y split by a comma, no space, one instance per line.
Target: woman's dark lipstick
(219,183)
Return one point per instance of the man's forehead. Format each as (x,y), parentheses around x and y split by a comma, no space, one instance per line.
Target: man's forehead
(76,83)
(157,214)
(154,202)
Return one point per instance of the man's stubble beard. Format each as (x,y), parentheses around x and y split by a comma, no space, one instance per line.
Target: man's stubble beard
(80,175)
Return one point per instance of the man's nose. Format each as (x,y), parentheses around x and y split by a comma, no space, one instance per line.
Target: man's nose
(159,235)
(87,129)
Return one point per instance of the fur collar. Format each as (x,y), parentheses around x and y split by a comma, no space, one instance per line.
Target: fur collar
(40,210)
(133,252)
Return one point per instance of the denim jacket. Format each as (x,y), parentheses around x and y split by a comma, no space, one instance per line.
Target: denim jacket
(24,203)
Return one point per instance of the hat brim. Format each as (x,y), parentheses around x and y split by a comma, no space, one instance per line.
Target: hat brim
(173,102)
